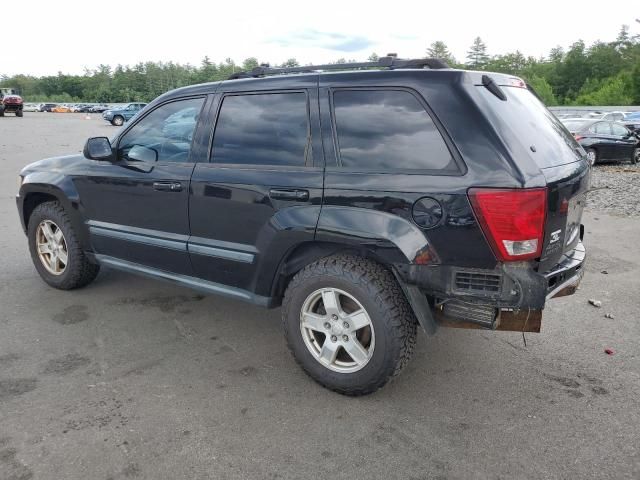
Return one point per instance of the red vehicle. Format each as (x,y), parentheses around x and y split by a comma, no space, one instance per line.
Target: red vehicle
(10,101)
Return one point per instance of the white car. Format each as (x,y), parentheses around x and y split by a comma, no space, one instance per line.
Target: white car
(31,107)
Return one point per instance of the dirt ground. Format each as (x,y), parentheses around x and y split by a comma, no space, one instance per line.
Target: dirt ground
(134,378)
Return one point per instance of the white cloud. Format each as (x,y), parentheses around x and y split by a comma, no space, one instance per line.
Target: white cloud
(70,35)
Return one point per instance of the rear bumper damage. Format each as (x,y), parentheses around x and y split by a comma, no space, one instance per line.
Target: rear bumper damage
(510,297)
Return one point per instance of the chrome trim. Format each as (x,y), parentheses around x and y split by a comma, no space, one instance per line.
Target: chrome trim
(185,280)
(220,253)
(136,238)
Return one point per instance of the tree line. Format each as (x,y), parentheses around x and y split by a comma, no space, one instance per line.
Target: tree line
(604,73)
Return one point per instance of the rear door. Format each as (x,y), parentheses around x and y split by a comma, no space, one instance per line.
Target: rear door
(606,142)
(625,141)
(261,192)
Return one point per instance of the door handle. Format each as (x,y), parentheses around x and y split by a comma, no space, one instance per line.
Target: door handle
(167,186)
(278,194)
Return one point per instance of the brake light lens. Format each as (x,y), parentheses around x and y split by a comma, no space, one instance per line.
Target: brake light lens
(577,137)
(512,220)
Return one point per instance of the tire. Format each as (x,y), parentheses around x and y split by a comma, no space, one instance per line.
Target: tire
(360,285)
(635,158)
(18,113)
(77,272)
(1,112)
(592,156)
(117,121)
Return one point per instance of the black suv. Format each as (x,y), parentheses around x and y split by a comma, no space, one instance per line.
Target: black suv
(366,202)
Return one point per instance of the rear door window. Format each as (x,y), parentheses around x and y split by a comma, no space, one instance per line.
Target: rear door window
(387,130)
(262,129)
(602,128)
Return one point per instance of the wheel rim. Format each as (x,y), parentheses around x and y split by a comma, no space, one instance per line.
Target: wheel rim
(591,156)
(119,121)
(51,247)
(337,330)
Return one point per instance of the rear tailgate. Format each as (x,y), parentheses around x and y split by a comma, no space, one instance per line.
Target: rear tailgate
(567,186)
(547,145)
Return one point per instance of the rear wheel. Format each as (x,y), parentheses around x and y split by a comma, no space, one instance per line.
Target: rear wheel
(348,324)
(118,121)
(55,250)
(592,156)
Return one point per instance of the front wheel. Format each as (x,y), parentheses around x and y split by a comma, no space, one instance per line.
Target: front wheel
(55,250)
(348,324)
(592,156)
(18,113)
(636,156)
(118,121)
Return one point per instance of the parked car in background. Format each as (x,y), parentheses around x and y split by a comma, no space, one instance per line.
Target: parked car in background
(118,116)
(611,116)
(98,108)
(61,109)
(81,108)
(632,121)
(46,107)
(604,141)
(31,107)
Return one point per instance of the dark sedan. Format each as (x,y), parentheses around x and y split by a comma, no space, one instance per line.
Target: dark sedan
(603,140)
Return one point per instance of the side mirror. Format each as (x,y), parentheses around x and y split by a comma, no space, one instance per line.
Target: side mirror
(140,153)
(98,148)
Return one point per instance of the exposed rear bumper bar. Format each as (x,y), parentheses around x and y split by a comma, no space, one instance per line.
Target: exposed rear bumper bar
(564,279)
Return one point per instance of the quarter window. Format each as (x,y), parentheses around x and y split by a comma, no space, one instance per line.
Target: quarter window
(164,135)
(387,130)
(619,130)
(262,129)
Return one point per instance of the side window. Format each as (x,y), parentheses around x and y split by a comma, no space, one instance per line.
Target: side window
(387,130)
(619,130)
(164,135)
(603,128)
(262,129)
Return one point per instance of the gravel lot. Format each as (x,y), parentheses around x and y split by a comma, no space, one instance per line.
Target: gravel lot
(134,378)
(615,189)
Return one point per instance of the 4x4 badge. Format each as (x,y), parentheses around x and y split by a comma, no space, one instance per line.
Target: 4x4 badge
(555,236)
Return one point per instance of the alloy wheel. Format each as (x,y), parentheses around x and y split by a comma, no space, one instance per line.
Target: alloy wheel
(52,247)
(337,330)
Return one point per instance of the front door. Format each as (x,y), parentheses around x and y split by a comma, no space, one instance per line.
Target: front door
(262,189)
(137,206)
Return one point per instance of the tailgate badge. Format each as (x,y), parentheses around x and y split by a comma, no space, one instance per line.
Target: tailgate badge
(555,236)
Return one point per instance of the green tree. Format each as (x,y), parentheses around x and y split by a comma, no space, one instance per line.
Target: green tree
(439,49)
(613,91)
(544,90)
(477,55)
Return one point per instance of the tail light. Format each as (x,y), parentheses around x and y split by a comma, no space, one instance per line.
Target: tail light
(577,137)
(512,220)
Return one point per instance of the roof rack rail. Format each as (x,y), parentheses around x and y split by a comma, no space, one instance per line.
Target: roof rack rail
(390,61)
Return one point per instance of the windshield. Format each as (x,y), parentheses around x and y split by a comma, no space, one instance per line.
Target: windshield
(529,121)
(575,125)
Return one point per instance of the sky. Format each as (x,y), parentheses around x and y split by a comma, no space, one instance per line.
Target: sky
(70,35)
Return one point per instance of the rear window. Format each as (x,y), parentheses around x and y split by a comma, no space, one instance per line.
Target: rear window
(535,127)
